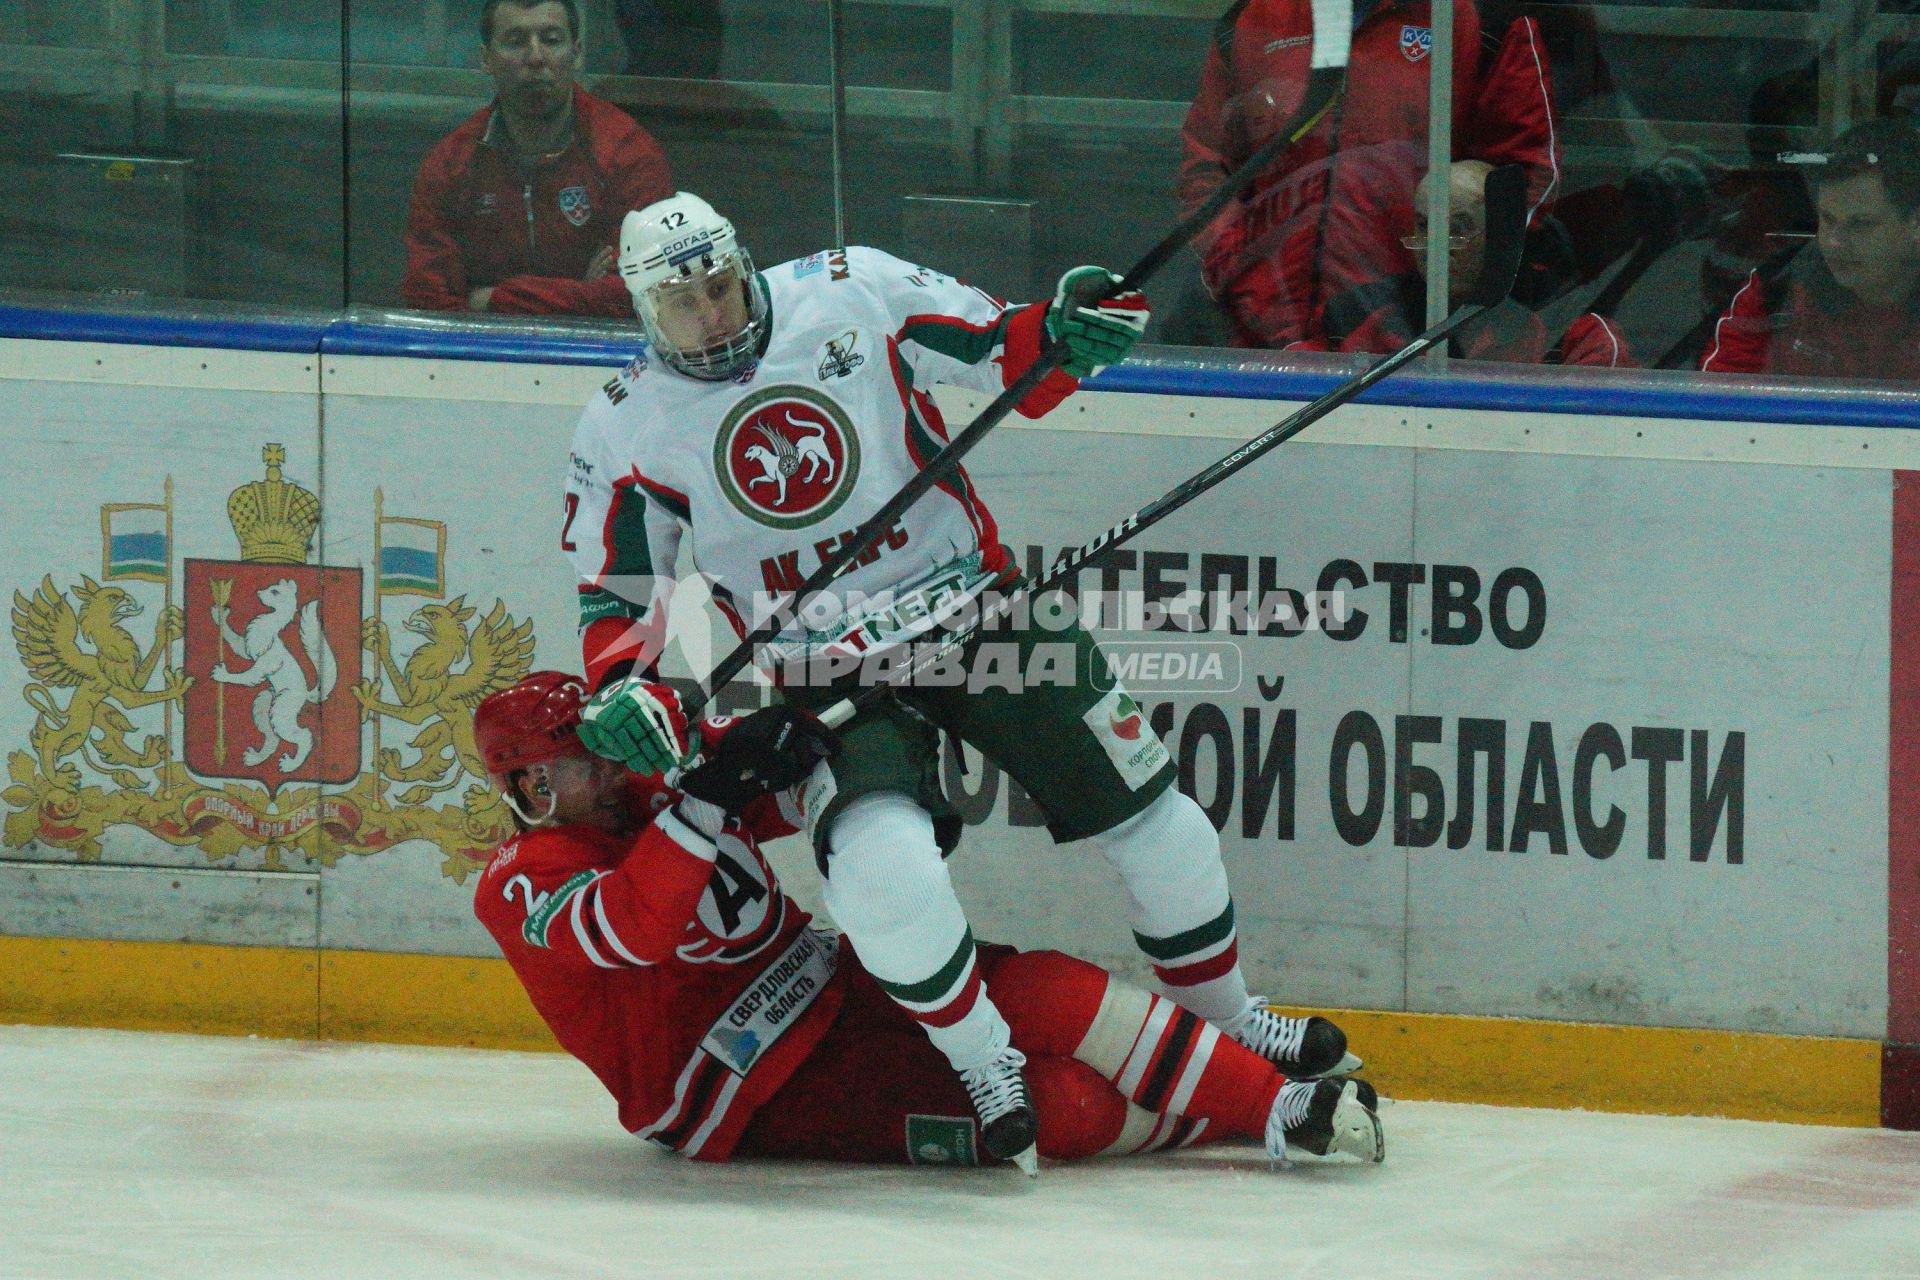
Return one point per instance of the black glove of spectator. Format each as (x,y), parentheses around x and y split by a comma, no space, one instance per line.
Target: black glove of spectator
(1670,200)
(771,750)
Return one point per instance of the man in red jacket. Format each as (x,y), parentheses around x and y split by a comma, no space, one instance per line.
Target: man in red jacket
(1847,306)
(1312,247)
(519,208)
(653,939)
(1508,332)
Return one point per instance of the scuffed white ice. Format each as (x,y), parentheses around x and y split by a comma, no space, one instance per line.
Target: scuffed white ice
(142,1155)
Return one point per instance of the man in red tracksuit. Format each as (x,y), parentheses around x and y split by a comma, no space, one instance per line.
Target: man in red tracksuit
(1848,305)
(653,939)
(1312,247)
(519,209)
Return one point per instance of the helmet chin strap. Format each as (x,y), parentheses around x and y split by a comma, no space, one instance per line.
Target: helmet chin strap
(513,803)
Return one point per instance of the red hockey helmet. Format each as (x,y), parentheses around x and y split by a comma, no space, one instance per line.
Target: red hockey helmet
(526,723)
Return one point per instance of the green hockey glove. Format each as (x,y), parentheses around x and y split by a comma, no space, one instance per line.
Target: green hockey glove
(638,724)
(1098,331)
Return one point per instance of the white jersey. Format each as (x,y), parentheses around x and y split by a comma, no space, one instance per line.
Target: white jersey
(768,473)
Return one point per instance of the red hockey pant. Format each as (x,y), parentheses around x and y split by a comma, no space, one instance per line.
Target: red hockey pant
(852,1098)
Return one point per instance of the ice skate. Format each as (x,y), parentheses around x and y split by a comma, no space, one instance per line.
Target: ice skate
(1326,1118)
(1303,1048)
(1008,1126)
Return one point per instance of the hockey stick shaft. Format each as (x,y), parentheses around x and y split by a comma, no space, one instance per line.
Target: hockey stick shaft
(1502,264)
(1072,562)
(1323,86)
(1645,253)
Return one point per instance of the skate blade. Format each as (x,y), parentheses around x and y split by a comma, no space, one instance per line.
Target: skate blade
(1348,1065)
(1356,1130)
(1028,1161)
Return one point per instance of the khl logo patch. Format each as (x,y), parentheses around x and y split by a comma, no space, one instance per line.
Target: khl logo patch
(1416,42)
(577,205)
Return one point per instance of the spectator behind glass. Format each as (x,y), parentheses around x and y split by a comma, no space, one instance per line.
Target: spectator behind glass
(1312,248)
(1845,306)
(1509,331)
(519,208)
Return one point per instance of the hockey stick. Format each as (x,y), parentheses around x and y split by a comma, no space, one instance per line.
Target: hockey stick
(1506,221)
(1332,32)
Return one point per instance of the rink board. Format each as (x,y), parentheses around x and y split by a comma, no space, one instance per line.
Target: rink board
(1721,642)
(477,1003)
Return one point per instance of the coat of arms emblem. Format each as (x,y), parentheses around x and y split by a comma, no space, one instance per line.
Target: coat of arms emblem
(787,457)
(270,716)
(266,638)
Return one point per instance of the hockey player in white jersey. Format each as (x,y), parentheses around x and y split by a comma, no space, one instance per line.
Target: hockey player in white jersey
(775,413)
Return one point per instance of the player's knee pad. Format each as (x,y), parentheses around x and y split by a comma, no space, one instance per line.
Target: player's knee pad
(885,871)
(1169,850)
(1173,820)
(1080,1114)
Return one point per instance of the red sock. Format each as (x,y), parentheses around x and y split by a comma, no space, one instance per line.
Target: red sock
(1157,1054)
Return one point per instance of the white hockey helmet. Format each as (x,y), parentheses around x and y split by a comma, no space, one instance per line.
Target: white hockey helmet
(682,264)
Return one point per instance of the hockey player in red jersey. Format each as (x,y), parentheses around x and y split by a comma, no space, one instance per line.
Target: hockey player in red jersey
(651,935)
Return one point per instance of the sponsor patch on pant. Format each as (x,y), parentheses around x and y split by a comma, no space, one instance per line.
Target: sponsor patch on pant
(1120,724)
(940,1140)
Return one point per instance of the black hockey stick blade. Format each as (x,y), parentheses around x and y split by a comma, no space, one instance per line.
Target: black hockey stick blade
(1506,238)
(1332,36)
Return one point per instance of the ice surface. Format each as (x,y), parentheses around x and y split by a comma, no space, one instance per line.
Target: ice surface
(140,1155)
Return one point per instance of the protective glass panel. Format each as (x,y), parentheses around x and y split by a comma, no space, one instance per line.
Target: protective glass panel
(490,176)
(1695,147)
(159,151)
(1672,185)
(1082,131)
(1007,143)
(1673,157)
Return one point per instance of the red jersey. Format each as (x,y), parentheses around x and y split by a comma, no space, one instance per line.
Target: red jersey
(671,965)
(1309,248)
(1805,324)
(481,218)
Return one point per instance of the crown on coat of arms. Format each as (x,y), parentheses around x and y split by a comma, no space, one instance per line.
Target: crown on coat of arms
(274,519)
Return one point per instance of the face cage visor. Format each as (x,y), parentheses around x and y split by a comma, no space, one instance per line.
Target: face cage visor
(719,360)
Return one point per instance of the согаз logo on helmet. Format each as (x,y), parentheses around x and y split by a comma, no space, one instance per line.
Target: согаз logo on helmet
(787,457)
